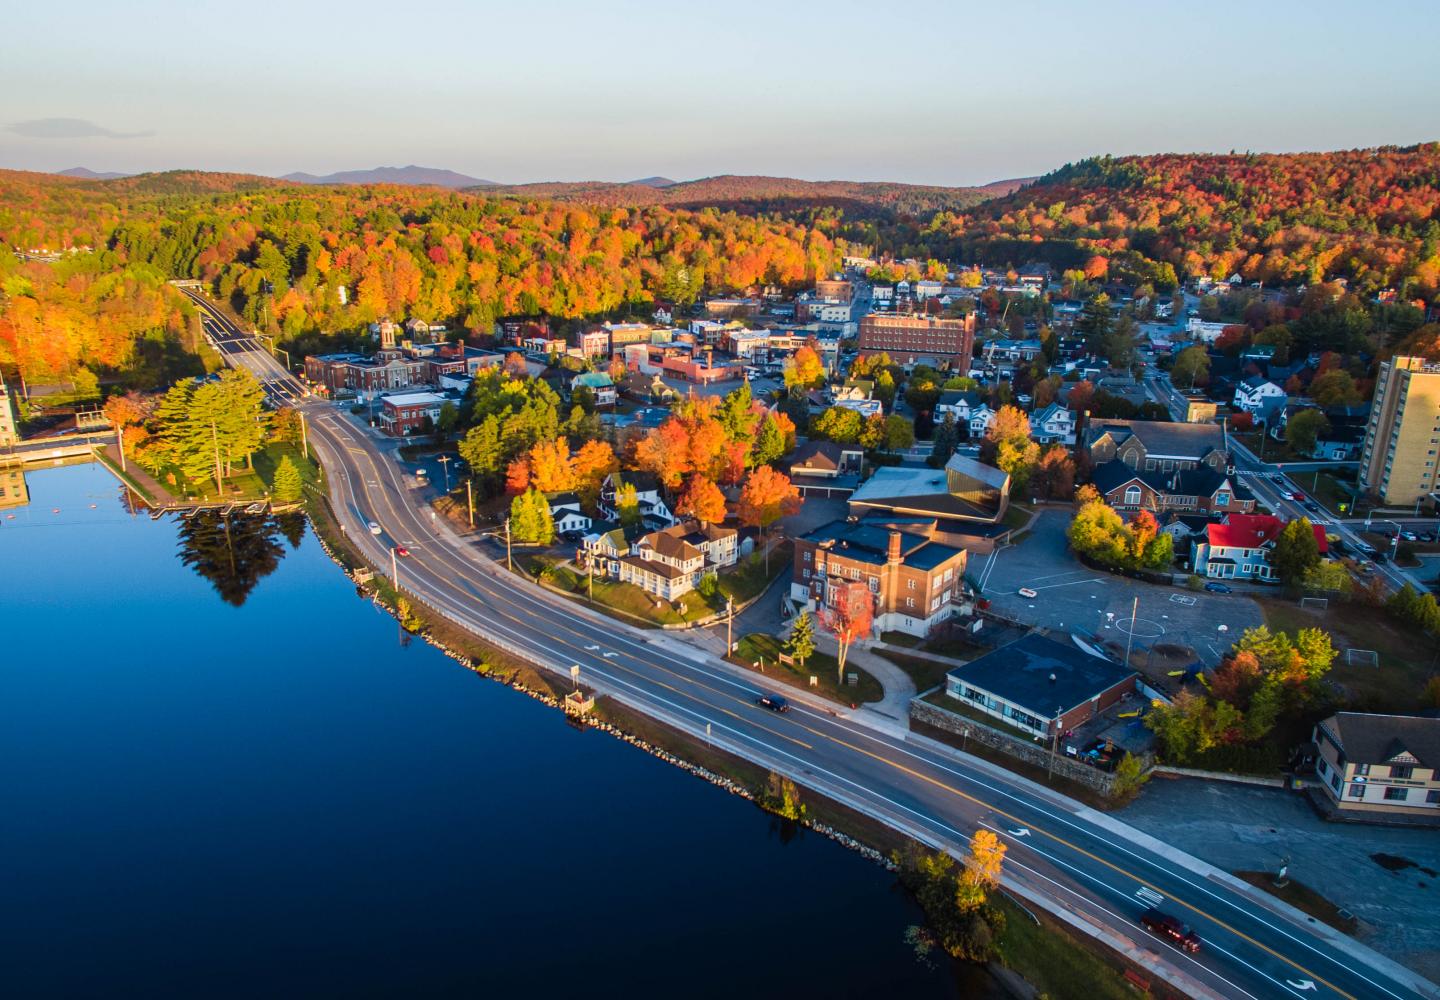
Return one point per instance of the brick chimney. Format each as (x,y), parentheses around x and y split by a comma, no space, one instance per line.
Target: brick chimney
(892,550)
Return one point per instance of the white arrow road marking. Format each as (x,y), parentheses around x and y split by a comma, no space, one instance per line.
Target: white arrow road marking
(592,648)
(1024,831)
(610,656)
(1304,984)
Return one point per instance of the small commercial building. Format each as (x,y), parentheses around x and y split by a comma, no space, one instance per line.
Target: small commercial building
(1037,683)
(410,413)
(1380,764)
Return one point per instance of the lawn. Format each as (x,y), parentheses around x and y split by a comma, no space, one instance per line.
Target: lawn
(1406,658)
(766,650)
(1327,489)
(1060,964)
(246,484)
(748,577)
(1303,898)
(926,673)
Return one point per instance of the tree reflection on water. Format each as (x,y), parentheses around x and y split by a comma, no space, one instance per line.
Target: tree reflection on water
(236,551)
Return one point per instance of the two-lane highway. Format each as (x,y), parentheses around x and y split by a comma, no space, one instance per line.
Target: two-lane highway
(1097,871)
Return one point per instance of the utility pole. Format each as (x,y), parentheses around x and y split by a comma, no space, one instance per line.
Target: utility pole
(304,434)
(120,444)
(394,570)
(1130,639)
(444,461)
(729,625)
(509,563)
(1054,743)
(470,501)
(590,578)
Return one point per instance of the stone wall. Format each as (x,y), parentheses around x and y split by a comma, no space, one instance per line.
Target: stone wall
(1031,753)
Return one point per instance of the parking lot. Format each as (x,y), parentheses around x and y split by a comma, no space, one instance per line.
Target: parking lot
(1074,598)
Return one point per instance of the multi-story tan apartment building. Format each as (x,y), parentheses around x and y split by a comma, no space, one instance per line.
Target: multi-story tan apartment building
(911,578)
(8,435)
(1399,458)
(1380,763)
(913,339)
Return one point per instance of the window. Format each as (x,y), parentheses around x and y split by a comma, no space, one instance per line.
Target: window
(807,556)
(1402,772)
(1132,496)
(1432,796)
(1357,791)
(805,575)
(1396,794)
(909,584)
(909,602)
(1222,499)
(1362,769)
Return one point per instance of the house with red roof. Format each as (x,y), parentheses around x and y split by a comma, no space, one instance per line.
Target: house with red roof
(1239,547)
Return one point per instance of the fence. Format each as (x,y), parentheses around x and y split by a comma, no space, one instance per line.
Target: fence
(1030,753)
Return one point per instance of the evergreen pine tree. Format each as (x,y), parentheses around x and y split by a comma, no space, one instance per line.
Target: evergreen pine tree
(801,644)
(287,485)
(945,438)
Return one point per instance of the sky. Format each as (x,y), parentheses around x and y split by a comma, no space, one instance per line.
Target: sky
(947,93)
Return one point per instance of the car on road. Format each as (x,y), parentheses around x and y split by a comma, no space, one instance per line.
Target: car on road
(374,528)
(1299,495)
(1286,495)
(1217,588)
(401,551)
(1409,536)
(1027,592)
(1163,925)
(1311,506)
(774,702)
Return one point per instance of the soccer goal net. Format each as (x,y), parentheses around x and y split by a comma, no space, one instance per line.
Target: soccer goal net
(1362,658)
(1315,603)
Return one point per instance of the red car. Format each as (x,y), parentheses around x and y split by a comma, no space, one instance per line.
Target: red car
(402,551)
(1168,928)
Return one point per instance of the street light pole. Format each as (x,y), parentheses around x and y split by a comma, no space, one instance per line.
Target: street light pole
(470,501)
(729,625)
(1130,639)
(1054,742)
(444,461)
(304,434)
(394,570)
(509,563)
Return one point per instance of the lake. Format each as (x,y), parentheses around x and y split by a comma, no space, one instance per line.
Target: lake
(223,773)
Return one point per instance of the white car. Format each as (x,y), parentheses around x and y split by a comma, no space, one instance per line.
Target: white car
(374,528)
(1027,592)
(1286,495)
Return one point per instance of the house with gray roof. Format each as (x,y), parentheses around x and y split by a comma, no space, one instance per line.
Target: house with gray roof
(1379,766)
(1155,445)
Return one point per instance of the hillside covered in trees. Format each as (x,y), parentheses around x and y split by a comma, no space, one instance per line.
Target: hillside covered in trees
(1371,216)
(305,261)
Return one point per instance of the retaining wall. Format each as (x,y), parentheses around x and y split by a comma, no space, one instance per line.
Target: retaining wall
(1031,753)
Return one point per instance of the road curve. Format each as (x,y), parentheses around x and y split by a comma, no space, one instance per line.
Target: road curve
(1089,869)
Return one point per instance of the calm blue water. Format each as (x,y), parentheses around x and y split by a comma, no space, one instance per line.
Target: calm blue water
(224,791)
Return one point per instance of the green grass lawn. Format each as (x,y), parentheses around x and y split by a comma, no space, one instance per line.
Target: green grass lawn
(1058,963)
(926,673)
(766,649)
(1327,489)
(246,484)
(748,577)
(1406,658)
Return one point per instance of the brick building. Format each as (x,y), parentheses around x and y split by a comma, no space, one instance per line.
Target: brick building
(911,578)
(409,413)
(910,339)
(1035,682)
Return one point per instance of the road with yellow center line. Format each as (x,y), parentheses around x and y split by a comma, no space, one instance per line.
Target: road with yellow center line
(1089,868)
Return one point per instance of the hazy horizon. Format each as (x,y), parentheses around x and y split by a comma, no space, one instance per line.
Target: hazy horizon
(562,91)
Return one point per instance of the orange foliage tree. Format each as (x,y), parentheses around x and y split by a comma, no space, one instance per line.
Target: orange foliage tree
(766,497)
(703,501)
(849,614)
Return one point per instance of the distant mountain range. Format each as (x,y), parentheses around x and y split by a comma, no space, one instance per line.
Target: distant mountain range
(726,189)
(92,175)
(411,175)
(731,188)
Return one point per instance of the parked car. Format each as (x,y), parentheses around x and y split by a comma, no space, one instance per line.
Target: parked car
(1027,592)
(1286,495)
(1217,588)
(1163,925)
(774,702)
(1409,536)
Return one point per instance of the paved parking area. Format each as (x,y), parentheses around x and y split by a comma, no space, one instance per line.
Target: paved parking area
(1077,599)
(1245,828)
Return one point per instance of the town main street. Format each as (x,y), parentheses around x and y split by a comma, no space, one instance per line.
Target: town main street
(1090,870)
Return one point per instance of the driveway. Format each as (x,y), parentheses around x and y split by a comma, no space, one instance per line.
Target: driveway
(1075,598)
(1245,828)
